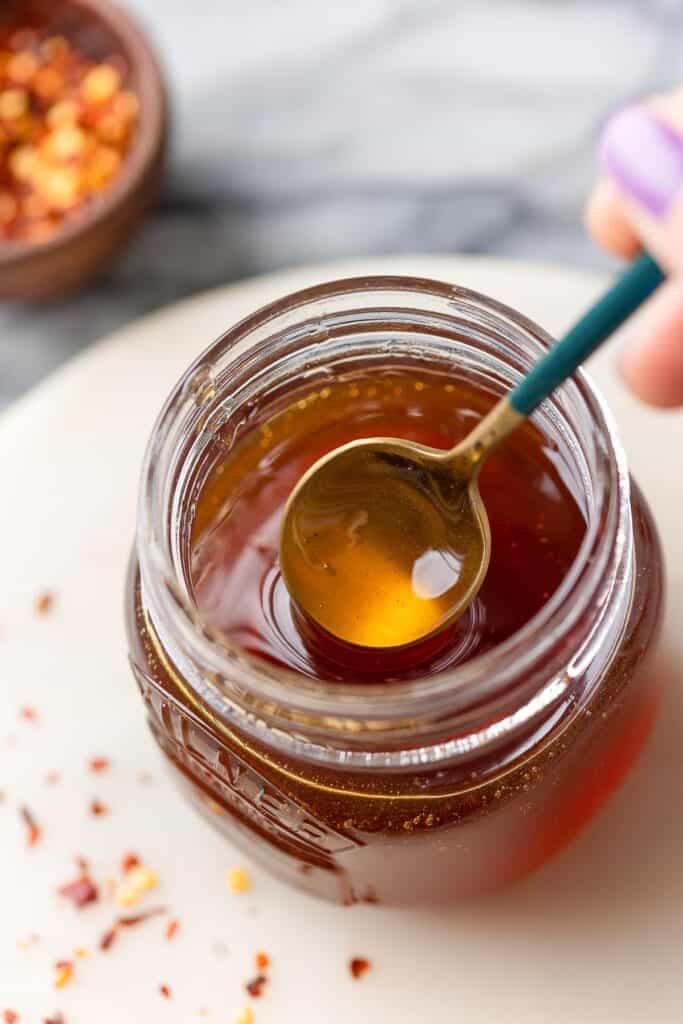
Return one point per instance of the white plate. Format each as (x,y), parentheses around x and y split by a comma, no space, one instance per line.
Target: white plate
(595,936)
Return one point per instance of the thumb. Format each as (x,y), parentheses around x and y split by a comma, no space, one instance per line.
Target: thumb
(642,151)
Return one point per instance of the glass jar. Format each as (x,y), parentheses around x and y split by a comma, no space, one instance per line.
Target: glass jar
(408,792)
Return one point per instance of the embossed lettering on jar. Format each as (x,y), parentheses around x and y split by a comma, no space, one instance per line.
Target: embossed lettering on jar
(422,780)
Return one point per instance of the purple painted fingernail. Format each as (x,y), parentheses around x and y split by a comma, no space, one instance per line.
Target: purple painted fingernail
(645,157)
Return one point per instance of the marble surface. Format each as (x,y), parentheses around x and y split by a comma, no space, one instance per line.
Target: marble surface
(308,130)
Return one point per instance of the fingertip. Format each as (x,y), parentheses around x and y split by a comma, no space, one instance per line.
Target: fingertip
(606,220)
(651,357)
(650,386)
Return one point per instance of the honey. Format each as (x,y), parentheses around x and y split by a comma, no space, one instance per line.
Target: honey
(536,523)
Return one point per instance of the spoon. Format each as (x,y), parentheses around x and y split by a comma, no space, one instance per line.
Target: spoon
(385,542)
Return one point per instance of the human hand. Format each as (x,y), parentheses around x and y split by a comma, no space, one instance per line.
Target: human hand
(639,202)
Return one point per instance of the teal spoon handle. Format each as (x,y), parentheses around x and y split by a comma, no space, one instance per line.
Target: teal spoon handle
(632,288)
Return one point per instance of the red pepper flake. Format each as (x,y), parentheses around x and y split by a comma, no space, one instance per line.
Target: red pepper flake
(97,808)
(262,961)
(33,830)
(57,1018)
(238,880)
(172,929)
(64,972)
(98,764)
(358,966)
(107,939)
(52,778)
(129,921)
(165,991)
(256,985)
(81,891)
(129,861)
(10,1017)
(43,603)
(29,714)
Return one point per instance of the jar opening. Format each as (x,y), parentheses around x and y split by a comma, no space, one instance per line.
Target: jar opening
(335,329)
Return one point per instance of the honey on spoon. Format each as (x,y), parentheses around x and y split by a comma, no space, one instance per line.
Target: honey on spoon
(385,542)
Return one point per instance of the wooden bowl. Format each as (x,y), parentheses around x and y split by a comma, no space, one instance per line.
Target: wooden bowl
(88,244)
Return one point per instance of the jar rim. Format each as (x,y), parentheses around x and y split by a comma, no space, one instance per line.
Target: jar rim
(277,696)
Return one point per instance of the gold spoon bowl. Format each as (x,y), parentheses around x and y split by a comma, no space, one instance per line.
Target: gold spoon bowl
(385,542)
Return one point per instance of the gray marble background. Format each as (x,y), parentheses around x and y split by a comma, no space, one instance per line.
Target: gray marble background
(314,129)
